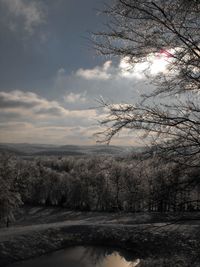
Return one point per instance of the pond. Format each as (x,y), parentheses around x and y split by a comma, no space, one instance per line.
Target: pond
(83,257)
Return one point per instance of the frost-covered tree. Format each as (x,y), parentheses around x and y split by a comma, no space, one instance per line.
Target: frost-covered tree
(9,196)
(138,30)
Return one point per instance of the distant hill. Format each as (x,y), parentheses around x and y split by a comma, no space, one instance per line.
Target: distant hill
(25,149)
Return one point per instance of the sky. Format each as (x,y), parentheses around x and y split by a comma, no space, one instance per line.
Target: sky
(51,77)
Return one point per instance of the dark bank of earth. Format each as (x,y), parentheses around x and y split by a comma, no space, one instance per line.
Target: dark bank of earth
(145,240)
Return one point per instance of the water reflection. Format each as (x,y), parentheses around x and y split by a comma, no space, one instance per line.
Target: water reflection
(83,257)
(108,257)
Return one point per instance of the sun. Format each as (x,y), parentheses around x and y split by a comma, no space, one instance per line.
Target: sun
(153,64)
(158,65)
(159,62)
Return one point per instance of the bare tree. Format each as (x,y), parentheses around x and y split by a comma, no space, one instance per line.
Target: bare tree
(10,198)
(137,29)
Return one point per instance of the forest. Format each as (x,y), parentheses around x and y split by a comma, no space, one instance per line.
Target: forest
(134,183)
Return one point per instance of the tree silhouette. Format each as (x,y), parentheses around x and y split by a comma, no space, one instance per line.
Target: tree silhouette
(170,115)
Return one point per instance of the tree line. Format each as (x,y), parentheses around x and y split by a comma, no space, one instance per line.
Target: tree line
(99,183)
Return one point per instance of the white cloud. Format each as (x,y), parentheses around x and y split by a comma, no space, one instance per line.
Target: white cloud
(29,132)
(130,71)
(21,102)
(74,98)
(97,73)
(125,69)
(28,104)
(117,88)
(152,65)
(28,117)
(29,12)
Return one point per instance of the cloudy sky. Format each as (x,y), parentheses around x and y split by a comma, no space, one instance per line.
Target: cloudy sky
(51,77)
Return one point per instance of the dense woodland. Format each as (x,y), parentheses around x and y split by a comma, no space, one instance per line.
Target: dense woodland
(98,183)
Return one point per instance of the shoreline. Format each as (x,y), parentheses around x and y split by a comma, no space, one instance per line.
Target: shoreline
(143,240)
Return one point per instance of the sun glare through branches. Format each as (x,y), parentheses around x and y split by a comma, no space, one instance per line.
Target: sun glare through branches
(153,64)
